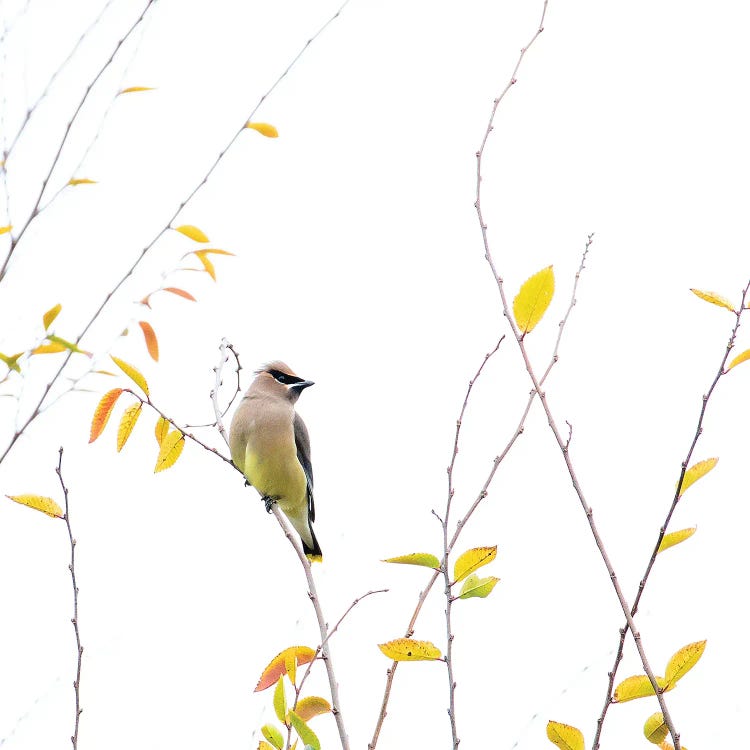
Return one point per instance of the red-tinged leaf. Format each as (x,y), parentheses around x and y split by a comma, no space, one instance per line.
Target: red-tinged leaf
(192,232)
(161,429)
(50,348)
(81,181)
(472,560)
(407,649)
(675,537)
(207,264)
(169,451)
(127,423)
(132,373)
(264,129)
(424,559)
(739,359)
(44,504)
(135,89)
(312,706)
(152,343)
(102,413)
(683,661)
(50,315)
(695,472)
(6,229)
(714,299)
(533,299)
(180,293)
(655,729)
(564,736)
(11,361)
(277,667)
(305,733)
(147,300)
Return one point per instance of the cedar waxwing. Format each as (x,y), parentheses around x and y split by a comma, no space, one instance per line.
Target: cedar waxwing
(270,446)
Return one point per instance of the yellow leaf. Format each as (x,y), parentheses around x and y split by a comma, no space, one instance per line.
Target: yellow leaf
(306,734)
(714,299)
(161,429)
(11,361)
(179,292)
(416,558)
(273,735)
(312,706)
(127,423)
(696,471)
(739,359)
(291,667)
(264,129)
(38,502)
(6,229)
(638,686)
(533,299)
(683,661)
(279,700)
(102,413)
(134,89)
(675,537)
(472,560)
(152,343)
(192,232)
(564,736)
(263,745)
(477,587)
(81,181)
(277,666)
(655,728)
(50,315)
(169,451)
(407,649)
(132,373)
(53,348)
(207,264)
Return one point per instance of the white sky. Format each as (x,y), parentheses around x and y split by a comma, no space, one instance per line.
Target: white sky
(360,263)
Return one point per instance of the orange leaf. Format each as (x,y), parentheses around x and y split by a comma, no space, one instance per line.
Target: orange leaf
(179,292)
(102,412)
(311,705)
(277,667)
(151,343)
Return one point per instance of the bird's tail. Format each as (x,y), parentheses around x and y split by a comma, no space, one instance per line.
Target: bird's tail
(314,553)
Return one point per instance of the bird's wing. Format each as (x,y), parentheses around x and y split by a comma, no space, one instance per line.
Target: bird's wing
(302,440)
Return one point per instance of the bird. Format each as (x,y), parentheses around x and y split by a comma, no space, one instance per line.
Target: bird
(270,445)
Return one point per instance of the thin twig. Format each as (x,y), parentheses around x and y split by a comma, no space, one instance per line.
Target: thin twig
(72,569)
(16,238)
(66,357)
(325,653)
(663,529)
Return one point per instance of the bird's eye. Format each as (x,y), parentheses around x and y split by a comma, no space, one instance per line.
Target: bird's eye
(283,377)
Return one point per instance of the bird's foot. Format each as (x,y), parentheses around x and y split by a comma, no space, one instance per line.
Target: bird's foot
(269,501)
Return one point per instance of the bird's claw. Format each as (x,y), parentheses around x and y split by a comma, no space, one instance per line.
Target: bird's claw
(269,501)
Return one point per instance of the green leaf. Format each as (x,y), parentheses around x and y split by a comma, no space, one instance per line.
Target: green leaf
(477,587)
(305,733)
(273,735)
(424,559)
(279,700)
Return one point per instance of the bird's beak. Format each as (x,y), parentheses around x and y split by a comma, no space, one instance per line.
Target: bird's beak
(301,386)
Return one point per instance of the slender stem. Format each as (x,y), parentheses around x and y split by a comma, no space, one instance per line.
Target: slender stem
(72,569)
(663,529)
